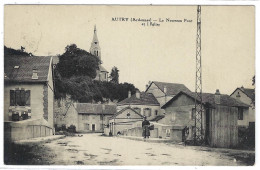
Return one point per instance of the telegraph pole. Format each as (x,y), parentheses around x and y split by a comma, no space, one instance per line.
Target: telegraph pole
(198,136)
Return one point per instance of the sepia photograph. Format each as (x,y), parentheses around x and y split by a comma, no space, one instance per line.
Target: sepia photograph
(129,85)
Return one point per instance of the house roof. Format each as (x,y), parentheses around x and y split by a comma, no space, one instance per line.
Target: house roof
(249,92)
(121,111)
(20,68)
(172,88)
(145,99)
(209,98)
(89,108)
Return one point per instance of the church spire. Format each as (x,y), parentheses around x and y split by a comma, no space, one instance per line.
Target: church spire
(95,48)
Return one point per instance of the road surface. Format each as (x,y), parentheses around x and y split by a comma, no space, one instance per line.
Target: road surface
(93,149)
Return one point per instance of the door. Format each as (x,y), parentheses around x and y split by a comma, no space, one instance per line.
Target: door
(93,127)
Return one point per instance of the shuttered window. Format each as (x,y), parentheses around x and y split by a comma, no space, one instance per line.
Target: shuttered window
(27,97)
(20,97)
(12,98)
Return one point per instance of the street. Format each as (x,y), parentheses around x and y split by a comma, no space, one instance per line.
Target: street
(93,149)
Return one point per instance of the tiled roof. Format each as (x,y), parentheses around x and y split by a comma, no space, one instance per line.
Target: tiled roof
(118,113)
(145,99)
(24,71)
(172,88)
(209,98)
(89,108)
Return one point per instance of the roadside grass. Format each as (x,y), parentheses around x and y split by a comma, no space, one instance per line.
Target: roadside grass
(33,154)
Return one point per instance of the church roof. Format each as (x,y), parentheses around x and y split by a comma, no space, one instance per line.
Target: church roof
(102,69)
(145,99)
(20,68)
(172,88)
(95,38)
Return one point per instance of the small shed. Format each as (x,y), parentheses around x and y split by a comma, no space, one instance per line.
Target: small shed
(219,118)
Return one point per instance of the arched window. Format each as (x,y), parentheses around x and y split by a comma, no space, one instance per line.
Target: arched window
(97,53)
(147,112)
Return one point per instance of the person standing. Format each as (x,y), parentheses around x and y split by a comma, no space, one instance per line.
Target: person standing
(145,126)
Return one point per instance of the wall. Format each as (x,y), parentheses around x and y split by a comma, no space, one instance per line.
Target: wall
(179,113)
(50,98)
(36,99)
(91,119)
(245,99)
(122,121)
(21,130)
(142,107)
(60,108)
(223,127)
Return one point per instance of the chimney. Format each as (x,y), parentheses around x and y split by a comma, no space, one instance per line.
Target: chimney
(165,89)
(35,74)
(129,94)
(137,94)
(217,97)
(238,96)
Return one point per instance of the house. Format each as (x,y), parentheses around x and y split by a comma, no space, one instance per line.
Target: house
(143,103)
(87,117)
(247,96)
(163,91)
(28,97)
(123,119)
(102,73)
(219,119)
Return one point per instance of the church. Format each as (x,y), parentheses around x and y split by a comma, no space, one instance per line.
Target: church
(102,73)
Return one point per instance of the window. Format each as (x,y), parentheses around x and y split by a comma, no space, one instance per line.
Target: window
(240,114)
(147,112)
(156,112)
(86,126)
(173,116)
(193,114)
(20,97)
(128,114)
(168,132)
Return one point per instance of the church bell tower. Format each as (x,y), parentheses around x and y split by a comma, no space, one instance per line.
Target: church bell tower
(95,48)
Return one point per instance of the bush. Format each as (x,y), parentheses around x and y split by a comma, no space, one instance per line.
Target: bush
(72,129)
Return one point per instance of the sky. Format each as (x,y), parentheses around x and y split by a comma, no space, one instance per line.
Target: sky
(144,53)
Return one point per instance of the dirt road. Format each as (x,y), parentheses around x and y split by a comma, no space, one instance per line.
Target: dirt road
(93,149)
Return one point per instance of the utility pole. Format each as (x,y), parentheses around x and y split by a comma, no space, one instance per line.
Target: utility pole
(198,136)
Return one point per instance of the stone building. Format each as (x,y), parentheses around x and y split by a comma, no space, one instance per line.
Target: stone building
(123,120)
(247,96)
(28,97)
(219,119)
(163,91)
(102,73)
(87,117)
(143,103)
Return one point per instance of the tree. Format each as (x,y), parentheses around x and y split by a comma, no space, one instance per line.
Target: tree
(77,62)
(114,75)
